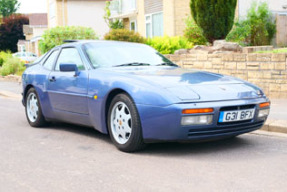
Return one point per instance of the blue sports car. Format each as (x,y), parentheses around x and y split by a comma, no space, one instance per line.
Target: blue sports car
(137,96)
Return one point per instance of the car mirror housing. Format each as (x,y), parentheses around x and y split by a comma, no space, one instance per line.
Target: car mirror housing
(65,67)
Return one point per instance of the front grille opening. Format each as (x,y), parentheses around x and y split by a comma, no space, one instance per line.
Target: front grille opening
(230,129)
(235,122)
(233,108)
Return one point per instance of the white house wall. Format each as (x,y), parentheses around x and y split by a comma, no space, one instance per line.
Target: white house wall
(52,13)
(88,14)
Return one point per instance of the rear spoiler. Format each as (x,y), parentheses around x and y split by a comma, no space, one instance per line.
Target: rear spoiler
(30,64)
(70,41)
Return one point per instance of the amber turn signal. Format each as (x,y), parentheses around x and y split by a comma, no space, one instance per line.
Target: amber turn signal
(262,105)
(193,111)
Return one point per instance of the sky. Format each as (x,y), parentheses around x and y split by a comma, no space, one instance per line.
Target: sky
(33,6)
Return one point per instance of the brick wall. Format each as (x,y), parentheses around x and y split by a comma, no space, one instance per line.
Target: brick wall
(268,71)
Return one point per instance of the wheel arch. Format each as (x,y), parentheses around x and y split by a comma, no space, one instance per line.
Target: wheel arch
(109,99)
(27,88)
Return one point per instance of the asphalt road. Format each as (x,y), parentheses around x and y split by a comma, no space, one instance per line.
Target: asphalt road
(65,157)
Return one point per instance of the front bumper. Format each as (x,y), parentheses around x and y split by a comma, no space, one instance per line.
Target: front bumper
(164,123)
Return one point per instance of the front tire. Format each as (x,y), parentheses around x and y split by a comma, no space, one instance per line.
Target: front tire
(33,109)
(124,124)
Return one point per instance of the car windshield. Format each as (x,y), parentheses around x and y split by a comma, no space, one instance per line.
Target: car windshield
(113,54)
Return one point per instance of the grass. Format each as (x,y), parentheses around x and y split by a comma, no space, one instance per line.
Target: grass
(283,50)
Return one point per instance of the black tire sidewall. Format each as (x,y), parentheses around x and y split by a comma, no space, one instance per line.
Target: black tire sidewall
(40,121)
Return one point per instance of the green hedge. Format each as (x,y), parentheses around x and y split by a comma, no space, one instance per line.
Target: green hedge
(12,65)
(168,45)
(55,36)
(4,56)
(124,35)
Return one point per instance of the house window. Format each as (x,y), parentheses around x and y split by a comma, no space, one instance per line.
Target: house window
(133,25)
(148,26)
(116,7)
(154,25)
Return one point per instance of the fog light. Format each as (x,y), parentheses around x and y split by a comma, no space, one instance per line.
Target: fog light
(263,113)
(197,120)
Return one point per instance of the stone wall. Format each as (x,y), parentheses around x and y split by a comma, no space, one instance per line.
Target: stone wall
(268,71)
(181,13)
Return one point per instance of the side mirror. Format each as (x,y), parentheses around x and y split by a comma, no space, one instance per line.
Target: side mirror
(64,67)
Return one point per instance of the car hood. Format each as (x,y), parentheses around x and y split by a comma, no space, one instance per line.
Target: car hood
(191,85)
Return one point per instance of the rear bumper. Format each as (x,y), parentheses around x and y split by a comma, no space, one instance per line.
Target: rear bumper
(164,123)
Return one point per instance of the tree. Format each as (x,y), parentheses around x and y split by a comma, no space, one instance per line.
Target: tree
(215,17)
(11,31)
(8,7)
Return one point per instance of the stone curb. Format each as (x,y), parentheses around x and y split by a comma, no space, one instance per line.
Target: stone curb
(278,126)
(10,95)
(11,78)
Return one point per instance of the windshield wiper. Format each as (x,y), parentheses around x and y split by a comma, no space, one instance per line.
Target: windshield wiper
(167,64)
(132,64)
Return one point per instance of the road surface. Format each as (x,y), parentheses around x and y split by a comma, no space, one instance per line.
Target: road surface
(65,157)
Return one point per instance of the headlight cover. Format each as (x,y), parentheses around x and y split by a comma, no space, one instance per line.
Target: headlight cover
(197,120)
(263,113)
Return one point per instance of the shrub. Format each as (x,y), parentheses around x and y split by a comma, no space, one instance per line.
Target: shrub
(12,66)
(116,24)
(240,33)
(193,33)
(4,56)
(168,45)
(57,35)
(215,18)
(124,35)
(258,29)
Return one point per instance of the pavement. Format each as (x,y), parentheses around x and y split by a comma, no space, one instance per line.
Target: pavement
(276,122)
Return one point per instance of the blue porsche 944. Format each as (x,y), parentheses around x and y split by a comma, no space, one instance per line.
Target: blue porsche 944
(137,96)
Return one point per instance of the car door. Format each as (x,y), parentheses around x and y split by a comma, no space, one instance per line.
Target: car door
(67,91)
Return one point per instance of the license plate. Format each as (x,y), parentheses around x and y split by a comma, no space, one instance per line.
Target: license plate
(239,115)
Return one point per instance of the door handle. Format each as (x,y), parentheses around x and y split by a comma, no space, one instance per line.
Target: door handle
(52,79)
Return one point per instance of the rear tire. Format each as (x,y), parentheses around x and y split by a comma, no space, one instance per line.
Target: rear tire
(33,109)
(124,124)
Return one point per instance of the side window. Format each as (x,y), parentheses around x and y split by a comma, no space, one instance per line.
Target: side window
(49,63)
(70,56)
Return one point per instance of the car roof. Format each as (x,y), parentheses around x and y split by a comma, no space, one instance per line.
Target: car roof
(104,42)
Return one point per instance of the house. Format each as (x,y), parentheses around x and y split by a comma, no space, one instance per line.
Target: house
(87,13)
(279,10)
(152,17)
(38,23)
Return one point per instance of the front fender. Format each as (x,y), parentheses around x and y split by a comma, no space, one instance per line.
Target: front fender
(101,84)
